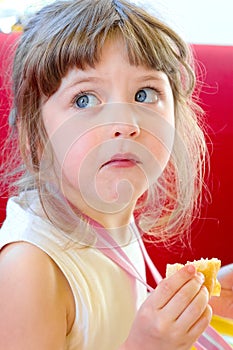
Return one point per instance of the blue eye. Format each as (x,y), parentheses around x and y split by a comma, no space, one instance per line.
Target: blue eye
(86,101)
(146,95)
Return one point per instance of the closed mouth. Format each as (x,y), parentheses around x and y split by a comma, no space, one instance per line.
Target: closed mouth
(124,160)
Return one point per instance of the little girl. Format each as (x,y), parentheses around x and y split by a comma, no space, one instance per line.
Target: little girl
(112,149)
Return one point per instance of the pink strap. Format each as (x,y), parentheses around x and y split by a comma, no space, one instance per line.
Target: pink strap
(198,346)
(108,246)
(210,339)
(155,273)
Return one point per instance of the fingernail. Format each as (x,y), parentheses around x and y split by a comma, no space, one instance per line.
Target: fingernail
(191,269)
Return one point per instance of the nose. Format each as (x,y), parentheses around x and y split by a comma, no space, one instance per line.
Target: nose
(124,120)
(125,130)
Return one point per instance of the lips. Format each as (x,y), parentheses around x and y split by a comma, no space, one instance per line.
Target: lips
(123,160)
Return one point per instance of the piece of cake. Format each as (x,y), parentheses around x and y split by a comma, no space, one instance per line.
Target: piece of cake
(208,267)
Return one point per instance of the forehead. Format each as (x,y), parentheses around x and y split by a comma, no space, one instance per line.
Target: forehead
(113,63)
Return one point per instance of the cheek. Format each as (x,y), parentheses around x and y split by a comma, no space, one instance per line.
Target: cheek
(160,152)
(70,155)
(158,146)
(71,163)
(77,162)
(157,135)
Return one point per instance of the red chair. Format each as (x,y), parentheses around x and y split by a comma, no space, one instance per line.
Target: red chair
(6,51)
(212,235)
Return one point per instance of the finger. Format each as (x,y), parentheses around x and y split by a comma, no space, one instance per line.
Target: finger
(184,297)
(168,287)
(225,277)
(201,324)
(195,310)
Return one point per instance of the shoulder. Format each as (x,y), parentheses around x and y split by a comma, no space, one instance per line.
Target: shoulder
(28,264)
(34,298)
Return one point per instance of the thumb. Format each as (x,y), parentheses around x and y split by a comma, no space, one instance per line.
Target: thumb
(225,276)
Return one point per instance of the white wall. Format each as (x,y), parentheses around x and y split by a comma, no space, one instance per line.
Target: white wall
(198,21)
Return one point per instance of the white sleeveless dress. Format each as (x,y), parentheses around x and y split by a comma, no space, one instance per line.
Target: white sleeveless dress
(106,301)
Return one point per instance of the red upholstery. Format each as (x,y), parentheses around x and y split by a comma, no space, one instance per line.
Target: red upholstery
(5,54)
(213,234)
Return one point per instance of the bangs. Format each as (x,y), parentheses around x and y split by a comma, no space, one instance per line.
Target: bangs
(74,35)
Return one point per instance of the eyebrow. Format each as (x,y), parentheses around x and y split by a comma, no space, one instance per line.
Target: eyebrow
(81,80)
(144,78)
(158,78)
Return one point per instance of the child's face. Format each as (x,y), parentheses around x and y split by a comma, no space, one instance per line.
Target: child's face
(111,129)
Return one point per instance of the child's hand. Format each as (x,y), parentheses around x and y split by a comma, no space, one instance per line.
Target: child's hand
(223,305)
(174,315)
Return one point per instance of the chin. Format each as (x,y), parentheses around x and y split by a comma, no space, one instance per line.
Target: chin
(124,193)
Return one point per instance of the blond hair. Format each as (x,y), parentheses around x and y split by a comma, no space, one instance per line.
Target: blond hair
(71,33)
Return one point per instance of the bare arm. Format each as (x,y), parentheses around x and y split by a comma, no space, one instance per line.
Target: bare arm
(32,300)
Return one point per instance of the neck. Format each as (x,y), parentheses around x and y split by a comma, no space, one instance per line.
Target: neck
(117,224)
